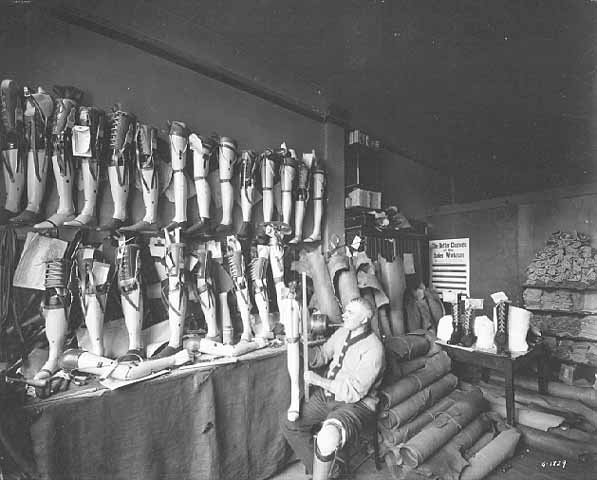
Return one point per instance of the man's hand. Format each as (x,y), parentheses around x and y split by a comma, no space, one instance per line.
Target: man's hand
(312,378)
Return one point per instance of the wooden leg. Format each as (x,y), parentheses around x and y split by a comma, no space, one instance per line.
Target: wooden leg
(509,380)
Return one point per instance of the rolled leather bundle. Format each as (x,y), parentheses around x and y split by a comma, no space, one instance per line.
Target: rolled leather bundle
(343,276)
(448,462)
(313,264)
(447,424)
(419,402)
(367,278)
(479,444)
(497,451)
(407,347)
(586,395)
(397,435)
(394,283)
(435,368)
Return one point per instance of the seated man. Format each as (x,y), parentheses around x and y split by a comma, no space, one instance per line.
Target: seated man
(346,398)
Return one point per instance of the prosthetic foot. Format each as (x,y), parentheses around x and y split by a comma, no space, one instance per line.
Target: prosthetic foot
(227,159)
(55,309)
(259,277)
(319,181)
(179,142)
(122,133)
(63,120)
(236,268)
(146,141)
(248,180)
(38,111)
(206,293)
(177,295)
(203,148)
(288,169)
(290,315)
(13,162)
(88,147)
(131,296)
(93,275)
(304,178)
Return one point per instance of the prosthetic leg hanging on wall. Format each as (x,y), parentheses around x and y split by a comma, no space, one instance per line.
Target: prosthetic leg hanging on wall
(122,134)
(55,309)
(11,114)
(248,180)
(93,275)
(288,169)
(131,296)
(203,148)
(179,143)
(268,169)
(63,120)
(175,260)
(319,182)
(206,292)
(303,181)
(236,268)
(259,277)
(88,147)
(146,142)
(227,159)
(38,111)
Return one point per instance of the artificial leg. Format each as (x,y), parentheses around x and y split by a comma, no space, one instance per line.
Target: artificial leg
(290,315)
(131,297)
(259,277)
(248,172)
(178,150)
(319,181)
(206,293)
(236,267)
(227,159)
(268,165)
(203,149)
(304,177)
(287,178)
(327,443)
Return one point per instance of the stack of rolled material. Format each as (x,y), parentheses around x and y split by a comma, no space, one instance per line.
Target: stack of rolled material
(406,354)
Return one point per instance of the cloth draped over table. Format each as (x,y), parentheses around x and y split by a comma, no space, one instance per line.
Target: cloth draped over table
(221,424)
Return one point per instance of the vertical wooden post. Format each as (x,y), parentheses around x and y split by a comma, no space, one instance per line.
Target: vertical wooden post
(305,334)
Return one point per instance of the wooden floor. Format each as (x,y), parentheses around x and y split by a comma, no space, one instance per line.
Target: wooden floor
(526,465)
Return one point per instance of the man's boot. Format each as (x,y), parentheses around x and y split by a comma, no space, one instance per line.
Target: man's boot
(13,162)
(227,160)
(248,180)
(63,120)
(120,162)
(39,107)
(179,142)
(146,141)
(89,149)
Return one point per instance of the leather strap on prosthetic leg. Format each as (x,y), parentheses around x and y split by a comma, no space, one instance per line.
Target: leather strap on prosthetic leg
(39,107)
(226,159)
(343,276)
(313,264)
(120,162)
(248,181)
(394,282)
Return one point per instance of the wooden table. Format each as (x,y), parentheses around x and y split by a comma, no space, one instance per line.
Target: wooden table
(507,365)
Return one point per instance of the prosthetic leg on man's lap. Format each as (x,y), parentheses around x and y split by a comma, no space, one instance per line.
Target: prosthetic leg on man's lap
(63,120)
(38,112)
(203,148)
(131,296)
(146,141)
(11,114)
(88,149)
(122,133)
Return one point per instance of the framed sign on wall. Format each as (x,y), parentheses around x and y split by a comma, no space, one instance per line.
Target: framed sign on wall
(450,265)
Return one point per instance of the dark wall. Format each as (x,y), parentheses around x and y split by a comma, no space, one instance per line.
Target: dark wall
(45,51)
